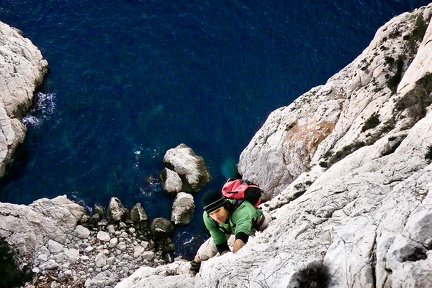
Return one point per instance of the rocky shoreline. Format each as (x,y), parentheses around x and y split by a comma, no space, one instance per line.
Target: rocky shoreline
(97,255)
(67,247)
(64,246)
(105,247)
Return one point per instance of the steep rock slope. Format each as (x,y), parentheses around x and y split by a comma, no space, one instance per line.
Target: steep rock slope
(357,106)
(22,69)
(366,217)
(349,162)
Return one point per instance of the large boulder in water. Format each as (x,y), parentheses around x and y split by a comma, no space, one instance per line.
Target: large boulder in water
(183,209)
(190,168)
(23,69)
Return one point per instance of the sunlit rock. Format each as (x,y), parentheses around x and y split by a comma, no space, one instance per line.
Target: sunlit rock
(347,171)
(190,167)
(23,69)
(183,209)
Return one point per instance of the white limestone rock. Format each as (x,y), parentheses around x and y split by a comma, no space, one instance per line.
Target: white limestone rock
(148,255)
(23,69)
(122,246)
(329,121)
(81,232)
(172,183)
(103,279)
(138,251)
(44,251)
(29,227)
(49,265)
(103,236)
(113,242)
(345,220)
(100,260)
(139,216)
(178,276)
(55,247)
(422,63)
(281,150)
(366,217)
(116,212)
(72,255)
(183,209)
(190,167)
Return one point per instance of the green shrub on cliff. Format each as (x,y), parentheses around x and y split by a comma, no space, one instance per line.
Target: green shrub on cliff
(12,275)
(418,100)
(372,122)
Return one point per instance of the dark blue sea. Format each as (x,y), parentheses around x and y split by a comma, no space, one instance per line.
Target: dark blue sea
(130,79)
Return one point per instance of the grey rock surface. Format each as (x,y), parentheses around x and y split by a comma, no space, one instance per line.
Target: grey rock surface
(28,227)
(22,69)
(183,209)
(346,168)
(188,166)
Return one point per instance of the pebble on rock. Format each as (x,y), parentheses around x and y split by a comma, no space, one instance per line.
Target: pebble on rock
(103,236)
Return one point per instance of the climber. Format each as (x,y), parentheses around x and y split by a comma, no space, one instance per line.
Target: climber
(225,217)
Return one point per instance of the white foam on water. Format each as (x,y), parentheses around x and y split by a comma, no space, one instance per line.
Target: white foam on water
(42,109)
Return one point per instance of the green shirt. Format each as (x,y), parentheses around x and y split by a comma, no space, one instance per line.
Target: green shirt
(241,220)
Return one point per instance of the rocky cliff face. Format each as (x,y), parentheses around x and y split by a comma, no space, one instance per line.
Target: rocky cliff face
(22,69)
(384,90)
(348,167)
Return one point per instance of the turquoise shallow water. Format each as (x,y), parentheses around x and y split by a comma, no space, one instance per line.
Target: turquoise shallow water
(132,79)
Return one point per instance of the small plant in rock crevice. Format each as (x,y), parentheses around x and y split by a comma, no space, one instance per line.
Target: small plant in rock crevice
(290,126)
(323,164)
(416,101)
(372,122)
(428,155)
(389,60)
(314,275)
(417,34)
(339,155)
